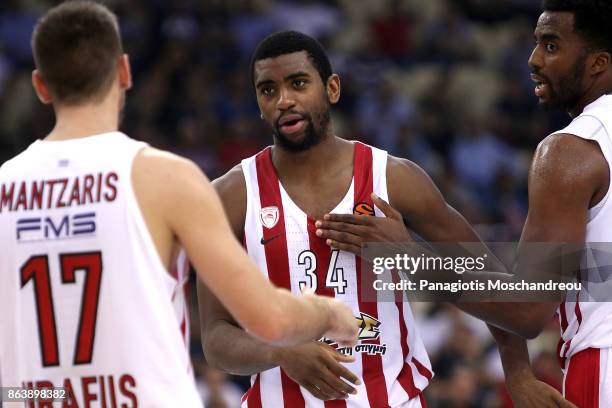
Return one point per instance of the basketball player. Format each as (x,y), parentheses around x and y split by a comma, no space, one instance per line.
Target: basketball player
(569,189)
(91,272)
(272,200)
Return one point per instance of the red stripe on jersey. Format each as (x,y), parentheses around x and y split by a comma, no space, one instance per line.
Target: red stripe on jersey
(424,371)
(405,377)
(563,345)
(253,395)
(582,379)
(423,402)
(563,317)
(578,312)
(292,395)
(373,373)
(407,381)
(323,254)
(277,258)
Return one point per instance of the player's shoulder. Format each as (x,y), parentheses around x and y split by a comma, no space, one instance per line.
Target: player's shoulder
(410,188)
(403,169)
(17,163)
(163,163)
(165,172)
(567,158)
(231,186)
(563,149)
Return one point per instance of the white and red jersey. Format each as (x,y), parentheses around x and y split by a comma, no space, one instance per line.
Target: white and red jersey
(391,360)
(86,302)
(585,317)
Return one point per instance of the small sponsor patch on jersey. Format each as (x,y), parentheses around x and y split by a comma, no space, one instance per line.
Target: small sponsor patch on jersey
(63,163)
(363,209)
(269,216)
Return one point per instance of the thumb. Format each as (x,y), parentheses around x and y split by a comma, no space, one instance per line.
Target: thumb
(385,207)
(563,403)
(343,358)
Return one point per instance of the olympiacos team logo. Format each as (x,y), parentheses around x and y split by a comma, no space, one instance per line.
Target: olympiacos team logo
(269,216)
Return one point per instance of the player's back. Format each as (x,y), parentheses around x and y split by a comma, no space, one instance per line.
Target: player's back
(87,303)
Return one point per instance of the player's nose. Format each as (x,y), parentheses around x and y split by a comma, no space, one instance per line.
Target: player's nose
(286,100)
(535,59)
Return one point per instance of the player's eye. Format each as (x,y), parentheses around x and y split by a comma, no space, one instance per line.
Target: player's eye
(267,90)
(299,83)
(550,47)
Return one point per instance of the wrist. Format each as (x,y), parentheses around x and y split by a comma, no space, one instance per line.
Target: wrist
(277,356)
(518,376)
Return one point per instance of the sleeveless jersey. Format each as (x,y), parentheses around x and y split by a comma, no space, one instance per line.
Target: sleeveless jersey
(585,317)
(87,303)
(391,360)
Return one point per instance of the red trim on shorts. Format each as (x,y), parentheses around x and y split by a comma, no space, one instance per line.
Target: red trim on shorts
(582,379)
(373,372)
(277,258)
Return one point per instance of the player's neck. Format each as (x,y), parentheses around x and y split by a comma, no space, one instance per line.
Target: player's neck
(74,122)
(315,160)
(594,93)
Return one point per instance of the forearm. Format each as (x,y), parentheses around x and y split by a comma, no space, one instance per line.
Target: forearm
(522,318)
(229,348)
(514,355)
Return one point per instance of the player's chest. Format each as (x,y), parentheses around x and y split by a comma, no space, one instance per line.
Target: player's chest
(315,200)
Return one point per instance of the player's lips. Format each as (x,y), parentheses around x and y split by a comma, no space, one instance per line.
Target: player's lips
(291,123)
(541,85)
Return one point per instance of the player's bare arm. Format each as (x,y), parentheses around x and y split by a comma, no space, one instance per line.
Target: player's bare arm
(191,213)
(566,167)
(435,220)
(575,173)
(316,366)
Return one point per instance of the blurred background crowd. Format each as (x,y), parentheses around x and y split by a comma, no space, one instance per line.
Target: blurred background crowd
(444,83)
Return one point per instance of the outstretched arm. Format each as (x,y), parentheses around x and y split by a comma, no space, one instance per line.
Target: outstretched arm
(567,177)
(191,211)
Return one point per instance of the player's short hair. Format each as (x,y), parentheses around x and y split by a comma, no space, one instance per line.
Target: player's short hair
(287,42)
(76,46)
(591,20)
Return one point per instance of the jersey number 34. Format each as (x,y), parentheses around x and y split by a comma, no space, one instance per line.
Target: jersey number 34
(334,278)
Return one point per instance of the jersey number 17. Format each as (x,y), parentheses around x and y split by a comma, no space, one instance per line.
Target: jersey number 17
(36,269)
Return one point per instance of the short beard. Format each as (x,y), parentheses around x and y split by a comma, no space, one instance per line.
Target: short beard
(312,134)
(570,88)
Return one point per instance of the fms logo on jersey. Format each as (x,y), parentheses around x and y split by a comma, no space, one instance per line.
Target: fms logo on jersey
(33,229)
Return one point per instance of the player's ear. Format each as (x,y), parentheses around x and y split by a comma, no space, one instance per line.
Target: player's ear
(333,89)
(41,88)
(601,62)
(124,72)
